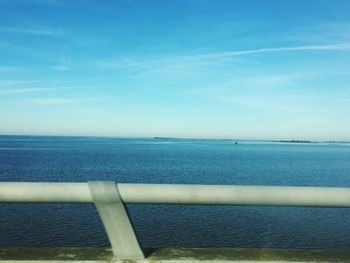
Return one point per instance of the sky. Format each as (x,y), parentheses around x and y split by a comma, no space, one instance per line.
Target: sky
(247,69)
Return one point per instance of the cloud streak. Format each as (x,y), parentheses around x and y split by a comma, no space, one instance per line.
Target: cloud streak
(23,90)
(43,2)
(334,47)
(12,69)
(204,59)
(12,83)
(33,31)
(61,101)
(62,67)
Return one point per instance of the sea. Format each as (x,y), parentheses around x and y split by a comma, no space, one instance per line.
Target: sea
(175,161)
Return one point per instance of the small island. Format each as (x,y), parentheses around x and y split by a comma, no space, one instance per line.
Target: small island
(164,138)
(294,141)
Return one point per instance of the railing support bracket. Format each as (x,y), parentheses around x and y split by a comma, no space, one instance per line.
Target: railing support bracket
(115,220)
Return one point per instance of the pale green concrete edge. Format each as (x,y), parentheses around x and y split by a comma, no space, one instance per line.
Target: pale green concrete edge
(173,255)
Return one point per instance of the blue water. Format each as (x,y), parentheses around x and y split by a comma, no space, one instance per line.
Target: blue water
(79,159)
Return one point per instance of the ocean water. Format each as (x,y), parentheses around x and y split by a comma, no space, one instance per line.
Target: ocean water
(79,159)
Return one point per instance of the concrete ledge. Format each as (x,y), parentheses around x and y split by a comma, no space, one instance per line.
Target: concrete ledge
(173,255)
(56,254)
(249,255)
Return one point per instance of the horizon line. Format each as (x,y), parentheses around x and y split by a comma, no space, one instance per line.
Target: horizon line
(179,138)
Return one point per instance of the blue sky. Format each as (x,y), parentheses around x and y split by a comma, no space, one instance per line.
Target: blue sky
(196,68)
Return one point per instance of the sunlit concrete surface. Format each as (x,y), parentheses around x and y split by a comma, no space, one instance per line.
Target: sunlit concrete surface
(173,255)
(55,254)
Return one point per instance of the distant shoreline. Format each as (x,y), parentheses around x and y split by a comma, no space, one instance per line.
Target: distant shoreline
(170,138)
(294,141)
(160,138)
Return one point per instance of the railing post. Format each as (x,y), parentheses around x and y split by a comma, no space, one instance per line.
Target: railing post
(115,220)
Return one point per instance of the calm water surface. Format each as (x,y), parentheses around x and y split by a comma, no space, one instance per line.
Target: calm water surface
(78,159)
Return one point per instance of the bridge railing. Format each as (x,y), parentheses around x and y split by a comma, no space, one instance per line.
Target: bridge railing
(109,199)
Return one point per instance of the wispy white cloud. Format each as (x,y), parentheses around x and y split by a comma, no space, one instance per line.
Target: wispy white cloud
(12,68)
(64,61)
(185,63)
(62,67)
(28,86)
(44,2)
(13,83)
(333,47)
(60,101)
(271,94)
(52,101)
(23,90)
(264,81)
(33,31)
(323,32)
(49,2)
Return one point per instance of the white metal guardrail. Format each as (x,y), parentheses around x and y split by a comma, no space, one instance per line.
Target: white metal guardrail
(109,199)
